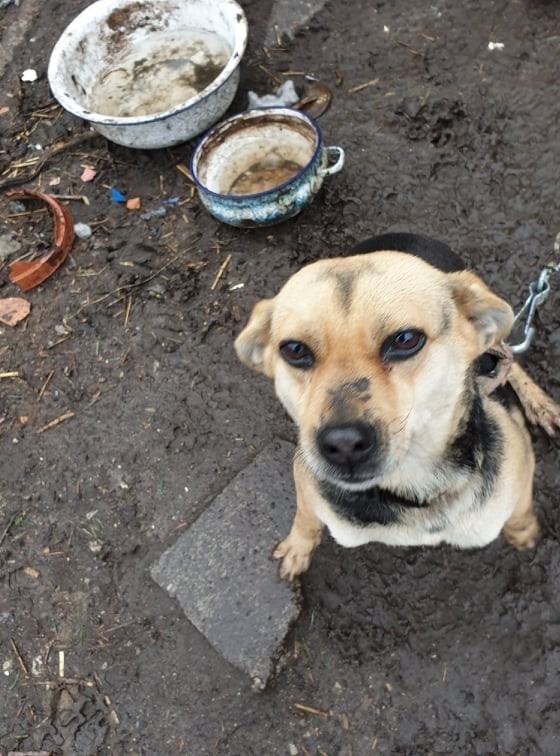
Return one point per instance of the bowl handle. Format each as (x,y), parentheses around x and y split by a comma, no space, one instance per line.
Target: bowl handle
(337,166)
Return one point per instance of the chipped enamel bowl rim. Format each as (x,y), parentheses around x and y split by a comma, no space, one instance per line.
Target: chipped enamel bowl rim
(184,120)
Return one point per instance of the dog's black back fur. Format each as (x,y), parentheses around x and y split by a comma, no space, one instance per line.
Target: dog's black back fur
(434,252)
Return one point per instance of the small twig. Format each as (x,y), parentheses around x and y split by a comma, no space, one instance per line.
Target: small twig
(36,211)
(310,710)
(7,529)
(119,627)
(128,287)
(269,73)
(58,342)
(19,657)
(184,170)
(50,153)
(57,421)
(44,386)
(221,271)
(23,164)
(359,88)
(10,374)
(127,311)
(72,198)
(411,49)
(66,681)
(48,652)
(113,716)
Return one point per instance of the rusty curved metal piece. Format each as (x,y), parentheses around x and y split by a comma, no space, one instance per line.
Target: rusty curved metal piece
(28,274)
(315,100)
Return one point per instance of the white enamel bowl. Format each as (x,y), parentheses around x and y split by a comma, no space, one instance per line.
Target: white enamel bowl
(110,31)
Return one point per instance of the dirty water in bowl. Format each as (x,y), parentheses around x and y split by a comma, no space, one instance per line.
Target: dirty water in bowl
(159,73)
(264,175)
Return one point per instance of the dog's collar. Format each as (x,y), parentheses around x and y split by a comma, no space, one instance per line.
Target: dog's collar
(374,505)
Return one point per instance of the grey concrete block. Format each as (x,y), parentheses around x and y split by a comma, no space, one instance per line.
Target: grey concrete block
(221,570)
(287,17)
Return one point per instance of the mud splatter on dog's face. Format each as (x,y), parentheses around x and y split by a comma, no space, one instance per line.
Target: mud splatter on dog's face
(369,352)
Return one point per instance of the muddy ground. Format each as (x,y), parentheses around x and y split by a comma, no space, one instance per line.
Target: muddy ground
(398,651)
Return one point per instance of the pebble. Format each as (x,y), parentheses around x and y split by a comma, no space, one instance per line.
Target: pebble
(82,230)
(8,246)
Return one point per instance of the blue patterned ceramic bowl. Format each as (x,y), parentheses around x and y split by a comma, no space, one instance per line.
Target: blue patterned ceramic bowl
(262,166)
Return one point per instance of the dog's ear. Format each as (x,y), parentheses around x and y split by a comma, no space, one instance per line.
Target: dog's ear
(251,343)
(491,316)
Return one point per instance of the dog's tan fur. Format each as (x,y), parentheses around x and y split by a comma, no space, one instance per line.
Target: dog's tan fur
(344,310)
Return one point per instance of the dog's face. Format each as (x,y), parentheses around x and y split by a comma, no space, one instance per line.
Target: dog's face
(371,356)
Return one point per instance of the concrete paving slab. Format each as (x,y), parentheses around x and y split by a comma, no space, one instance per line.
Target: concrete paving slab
(17,24)
(287,17)
(221,570)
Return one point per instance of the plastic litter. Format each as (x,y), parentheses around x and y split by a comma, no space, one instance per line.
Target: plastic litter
(315,99)
(88,175)
(133,203)
(285,96)
(116,196)
(159,212)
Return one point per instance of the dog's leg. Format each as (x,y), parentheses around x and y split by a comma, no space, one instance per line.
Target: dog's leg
(296,550)
(539,408)
(522,528)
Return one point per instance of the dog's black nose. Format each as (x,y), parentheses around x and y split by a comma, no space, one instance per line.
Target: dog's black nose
(348,444)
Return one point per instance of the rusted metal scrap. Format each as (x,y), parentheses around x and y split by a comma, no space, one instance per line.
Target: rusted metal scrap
(315,100)
(28,274)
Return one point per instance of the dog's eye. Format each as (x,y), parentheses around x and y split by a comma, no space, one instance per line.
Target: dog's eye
(402,345)
(296,354)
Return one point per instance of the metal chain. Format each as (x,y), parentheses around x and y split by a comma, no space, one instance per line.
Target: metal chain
(538,293)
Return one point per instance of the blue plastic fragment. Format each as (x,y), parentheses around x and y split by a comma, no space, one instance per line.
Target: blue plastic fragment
(170,201)
(116,196)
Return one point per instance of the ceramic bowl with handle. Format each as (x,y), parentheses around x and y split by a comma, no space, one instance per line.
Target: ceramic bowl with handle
(262,166)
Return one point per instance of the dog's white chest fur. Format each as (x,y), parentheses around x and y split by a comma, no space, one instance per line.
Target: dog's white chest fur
(464,524)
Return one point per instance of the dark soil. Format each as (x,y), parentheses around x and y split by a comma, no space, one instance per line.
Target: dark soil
(398,651)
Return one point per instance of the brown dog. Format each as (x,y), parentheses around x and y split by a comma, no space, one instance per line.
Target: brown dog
(375,358)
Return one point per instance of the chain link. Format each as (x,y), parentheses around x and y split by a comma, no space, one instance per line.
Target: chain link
(538,293)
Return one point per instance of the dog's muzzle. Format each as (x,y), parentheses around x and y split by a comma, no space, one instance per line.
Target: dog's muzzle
(350,449)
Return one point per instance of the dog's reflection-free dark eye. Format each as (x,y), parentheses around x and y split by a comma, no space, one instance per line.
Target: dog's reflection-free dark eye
(297,354)
(402,345)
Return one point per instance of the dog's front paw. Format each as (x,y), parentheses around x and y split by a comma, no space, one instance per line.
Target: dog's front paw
(523,534)
(295,554)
